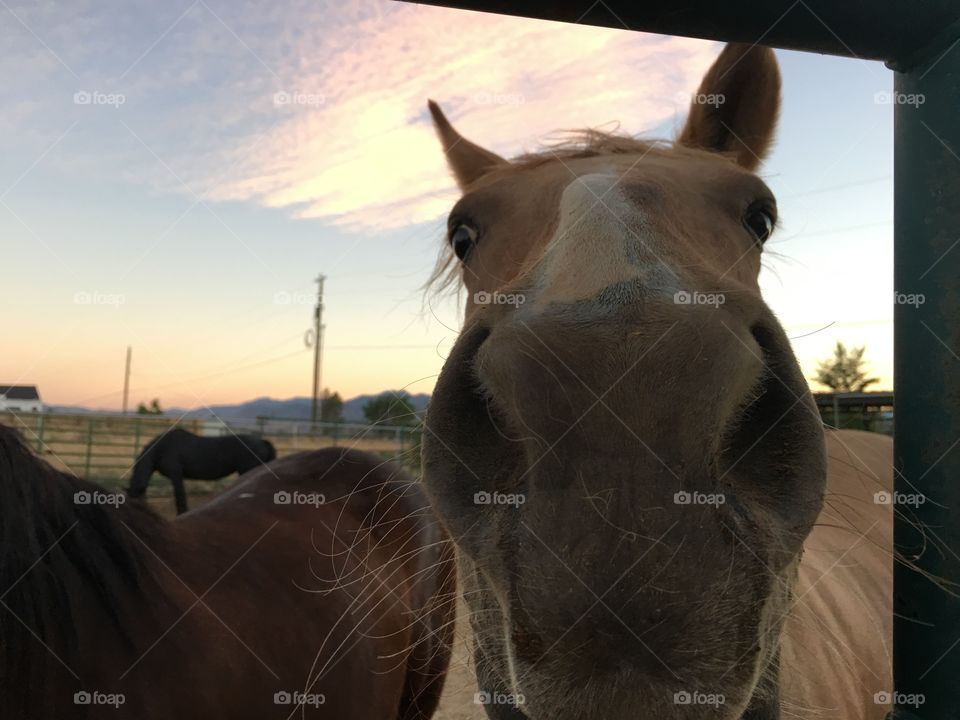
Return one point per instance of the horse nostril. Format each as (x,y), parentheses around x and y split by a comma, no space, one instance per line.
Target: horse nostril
(471,348)
(764,339)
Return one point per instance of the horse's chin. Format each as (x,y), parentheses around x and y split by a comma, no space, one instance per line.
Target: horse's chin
(515,686)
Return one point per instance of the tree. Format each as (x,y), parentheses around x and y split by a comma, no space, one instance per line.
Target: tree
(845,371)
(152,409)
(331,407)
(390,409)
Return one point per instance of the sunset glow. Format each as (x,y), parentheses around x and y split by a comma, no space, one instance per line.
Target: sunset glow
(175,179)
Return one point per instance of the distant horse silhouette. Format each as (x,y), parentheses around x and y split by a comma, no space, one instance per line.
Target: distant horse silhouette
(320,586)
(179,455)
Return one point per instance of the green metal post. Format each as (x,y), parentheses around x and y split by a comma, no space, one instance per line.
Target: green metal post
(927,380)
(40,426)
(136,440)
(86,470)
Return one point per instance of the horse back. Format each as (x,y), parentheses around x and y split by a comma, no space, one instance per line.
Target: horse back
(837,644)
(373,574)
(356,482)
(350,494)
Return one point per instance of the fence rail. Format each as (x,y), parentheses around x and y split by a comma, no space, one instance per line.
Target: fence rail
(871,411)
(104,447)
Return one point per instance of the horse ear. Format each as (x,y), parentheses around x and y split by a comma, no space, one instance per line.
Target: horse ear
(735,110)
(467,160)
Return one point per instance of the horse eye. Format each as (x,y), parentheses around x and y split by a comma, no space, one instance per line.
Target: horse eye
(760,224)
(462,239)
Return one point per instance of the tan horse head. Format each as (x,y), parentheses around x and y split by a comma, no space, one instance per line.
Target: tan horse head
(621,440)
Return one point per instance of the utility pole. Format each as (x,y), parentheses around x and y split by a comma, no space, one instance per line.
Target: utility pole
(317,348)
(126,381)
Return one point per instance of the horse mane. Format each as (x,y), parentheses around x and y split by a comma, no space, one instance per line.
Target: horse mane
(587,142)
(56,555)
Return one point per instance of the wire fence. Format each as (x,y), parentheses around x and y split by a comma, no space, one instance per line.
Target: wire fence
(104,447)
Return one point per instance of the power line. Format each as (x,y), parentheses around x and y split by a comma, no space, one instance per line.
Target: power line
(209,376)
(844,186)
(380,347)
(832,231)
(267,361)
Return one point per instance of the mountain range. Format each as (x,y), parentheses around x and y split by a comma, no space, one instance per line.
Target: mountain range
(297,408)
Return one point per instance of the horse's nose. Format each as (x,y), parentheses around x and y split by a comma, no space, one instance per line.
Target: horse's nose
(606,248)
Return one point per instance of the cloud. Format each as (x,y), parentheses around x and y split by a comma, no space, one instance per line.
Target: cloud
(319,109)
(366,156)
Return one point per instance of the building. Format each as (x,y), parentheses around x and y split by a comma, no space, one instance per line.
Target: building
(20,398)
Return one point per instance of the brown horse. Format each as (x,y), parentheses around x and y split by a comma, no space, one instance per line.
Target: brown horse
(318,586)
(650,520)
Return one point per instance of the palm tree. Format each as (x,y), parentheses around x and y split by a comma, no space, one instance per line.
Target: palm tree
(845,371)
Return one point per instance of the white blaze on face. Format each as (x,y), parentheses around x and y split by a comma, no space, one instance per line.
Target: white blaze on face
(603,238)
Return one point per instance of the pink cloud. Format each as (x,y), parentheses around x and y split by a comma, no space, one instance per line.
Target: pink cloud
(320,108)
(353,144)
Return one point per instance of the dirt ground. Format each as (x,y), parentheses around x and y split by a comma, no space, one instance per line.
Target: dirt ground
(458,693)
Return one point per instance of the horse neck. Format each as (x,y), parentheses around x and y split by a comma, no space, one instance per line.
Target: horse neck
(144,467)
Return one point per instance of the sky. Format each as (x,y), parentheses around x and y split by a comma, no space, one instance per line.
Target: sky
(174,176)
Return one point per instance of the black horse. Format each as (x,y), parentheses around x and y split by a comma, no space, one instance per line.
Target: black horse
(179,454)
